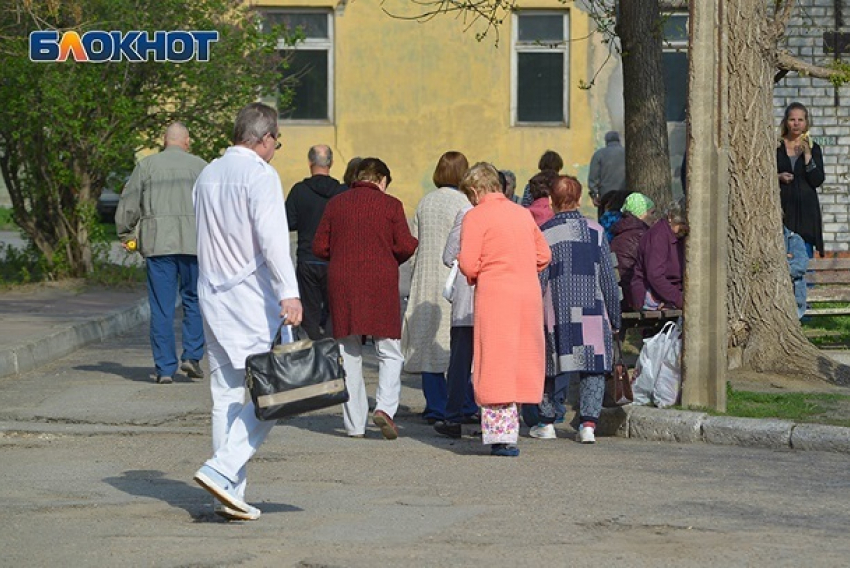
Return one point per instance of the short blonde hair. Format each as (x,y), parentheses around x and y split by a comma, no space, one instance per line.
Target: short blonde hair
(481,178)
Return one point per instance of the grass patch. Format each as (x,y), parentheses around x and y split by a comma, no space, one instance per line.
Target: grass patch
(817,408)
(828,331)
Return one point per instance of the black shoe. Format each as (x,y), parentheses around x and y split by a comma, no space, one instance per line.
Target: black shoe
(450,429)
(504,450)
(472,419)
(192,368)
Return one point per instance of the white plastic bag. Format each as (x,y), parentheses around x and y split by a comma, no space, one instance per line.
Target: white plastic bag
(658,373)
(449,286)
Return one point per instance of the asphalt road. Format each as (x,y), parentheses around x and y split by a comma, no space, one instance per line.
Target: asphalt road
(97,464)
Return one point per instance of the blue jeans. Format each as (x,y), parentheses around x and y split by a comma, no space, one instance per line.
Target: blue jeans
(436,394)
(461,398)
(167,274)
(553,407)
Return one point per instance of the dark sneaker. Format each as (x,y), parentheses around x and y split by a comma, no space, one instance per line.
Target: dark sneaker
(386,424)
(164,380)
(450,429)
(192,369)
(504,450)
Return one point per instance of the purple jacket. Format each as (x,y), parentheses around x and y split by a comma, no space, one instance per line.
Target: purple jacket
(628,232)
(659,267)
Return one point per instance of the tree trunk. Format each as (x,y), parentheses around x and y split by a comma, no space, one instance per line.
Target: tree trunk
(639,27)
(762,313)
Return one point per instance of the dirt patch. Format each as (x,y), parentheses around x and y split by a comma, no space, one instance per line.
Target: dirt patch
(769,382)
(69,285)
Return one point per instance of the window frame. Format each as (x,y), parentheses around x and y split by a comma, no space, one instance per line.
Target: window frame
(311,44)
(677,46)
(518,47)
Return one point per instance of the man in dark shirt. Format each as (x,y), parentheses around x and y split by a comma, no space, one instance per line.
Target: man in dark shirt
(305,205)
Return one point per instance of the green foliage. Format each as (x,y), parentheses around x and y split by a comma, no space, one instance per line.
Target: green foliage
(117,275)
(68,128)
(20,266)
(7,222)
(842,75)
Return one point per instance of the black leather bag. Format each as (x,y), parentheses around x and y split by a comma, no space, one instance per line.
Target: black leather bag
(294,378)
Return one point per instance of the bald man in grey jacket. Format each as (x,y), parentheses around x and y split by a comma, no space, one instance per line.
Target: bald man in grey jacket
(156,210)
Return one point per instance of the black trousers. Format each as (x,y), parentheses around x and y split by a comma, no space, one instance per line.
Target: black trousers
(313,285)
(461,398)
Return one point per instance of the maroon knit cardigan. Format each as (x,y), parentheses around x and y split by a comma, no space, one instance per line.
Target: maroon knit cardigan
(365,236)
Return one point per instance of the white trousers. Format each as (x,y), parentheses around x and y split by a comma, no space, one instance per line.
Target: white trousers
(390,361)
(236,431)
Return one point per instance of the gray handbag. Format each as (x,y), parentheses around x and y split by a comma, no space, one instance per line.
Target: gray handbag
(294,378)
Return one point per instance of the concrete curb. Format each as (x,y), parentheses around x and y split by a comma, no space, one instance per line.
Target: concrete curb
(684,426)
(28,356)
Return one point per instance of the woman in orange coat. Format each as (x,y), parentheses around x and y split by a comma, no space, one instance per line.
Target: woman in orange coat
(501,252)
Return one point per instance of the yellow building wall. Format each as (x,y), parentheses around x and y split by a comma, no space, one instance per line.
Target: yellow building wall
(406,92)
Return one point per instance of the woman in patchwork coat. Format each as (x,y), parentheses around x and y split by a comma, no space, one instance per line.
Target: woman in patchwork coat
(581,309)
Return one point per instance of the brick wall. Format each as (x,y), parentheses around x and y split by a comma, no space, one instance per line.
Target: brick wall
(826,104)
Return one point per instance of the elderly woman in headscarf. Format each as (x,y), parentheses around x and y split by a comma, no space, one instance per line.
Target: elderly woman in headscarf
(638,215)
(582,310)
(501,252)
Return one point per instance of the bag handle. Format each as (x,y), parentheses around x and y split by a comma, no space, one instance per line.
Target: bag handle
(618,351)
(296,331)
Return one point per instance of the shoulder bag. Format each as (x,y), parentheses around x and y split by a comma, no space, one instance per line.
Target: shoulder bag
(618,384)
(294,378)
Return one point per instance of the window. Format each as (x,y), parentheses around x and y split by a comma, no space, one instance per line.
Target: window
(310,70)
(540,68)
(675,62)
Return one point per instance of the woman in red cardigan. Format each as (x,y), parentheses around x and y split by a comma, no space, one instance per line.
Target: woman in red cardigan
(365,237)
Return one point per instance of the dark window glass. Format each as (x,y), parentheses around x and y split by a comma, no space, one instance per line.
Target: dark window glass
(676,83)
(540,87)
(313,25)
(308,71)
(676,28)
(541,27)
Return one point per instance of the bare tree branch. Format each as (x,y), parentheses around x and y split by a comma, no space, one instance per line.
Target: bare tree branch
(787,62)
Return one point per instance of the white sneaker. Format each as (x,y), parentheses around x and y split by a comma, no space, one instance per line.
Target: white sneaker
(232,514)
(586,435)
(543,432)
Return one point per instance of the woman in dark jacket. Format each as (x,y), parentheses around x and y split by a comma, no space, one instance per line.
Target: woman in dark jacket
(659,270)
(800,165)
(638,212)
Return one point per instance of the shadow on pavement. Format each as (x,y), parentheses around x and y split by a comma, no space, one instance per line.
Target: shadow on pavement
(138,374)
(187,496)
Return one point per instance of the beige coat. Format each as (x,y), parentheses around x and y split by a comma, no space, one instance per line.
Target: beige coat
(427,320)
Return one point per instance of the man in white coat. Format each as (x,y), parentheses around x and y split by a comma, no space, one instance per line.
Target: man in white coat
(246,284)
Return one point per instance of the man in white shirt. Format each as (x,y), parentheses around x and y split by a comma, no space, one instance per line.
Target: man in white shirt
(246,284)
